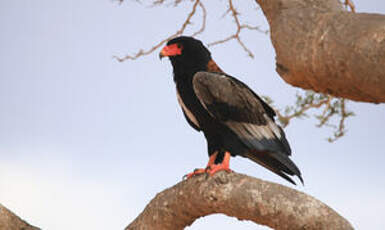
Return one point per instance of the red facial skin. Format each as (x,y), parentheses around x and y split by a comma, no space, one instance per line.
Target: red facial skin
(171,50)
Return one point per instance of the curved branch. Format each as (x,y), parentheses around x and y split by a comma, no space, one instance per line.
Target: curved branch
(322,47)
(240,196)
(9,221)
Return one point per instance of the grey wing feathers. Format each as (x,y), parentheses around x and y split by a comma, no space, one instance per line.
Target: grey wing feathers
(236,106)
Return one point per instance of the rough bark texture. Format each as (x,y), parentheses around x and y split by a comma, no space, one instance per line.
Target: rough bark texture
(9,221)
(322,47)
(240,196)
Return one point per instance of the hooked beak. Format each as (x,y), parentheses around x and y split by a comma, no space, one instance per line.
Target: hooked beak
(170,50)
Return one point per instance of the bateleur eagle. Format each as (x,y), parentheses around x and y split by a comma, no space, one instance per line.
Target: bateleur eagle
(234,119)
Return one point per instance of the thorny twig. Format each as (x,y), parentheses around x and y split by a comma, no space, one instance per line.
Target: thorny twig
(333,107)
(340,130)
(299,112)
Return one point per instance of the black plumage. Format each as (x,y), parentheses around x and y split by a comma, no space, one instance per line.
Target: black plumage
(232,117)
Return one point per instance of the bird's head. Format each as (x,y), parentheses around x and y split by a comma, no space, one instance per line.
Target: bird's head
(187,55)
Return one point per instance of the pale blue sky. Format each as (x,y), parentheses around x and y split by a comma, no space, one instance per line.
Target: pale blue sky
(86,142)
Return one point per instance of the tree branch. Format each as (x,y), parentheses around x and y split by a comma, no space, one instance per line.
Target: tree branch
(322,47)
(240,196)
(10,221)
(179,32)
(349,4)
(239,28)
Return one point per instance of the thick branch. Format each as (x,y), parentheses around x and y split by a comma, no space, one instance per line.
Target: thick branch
(322,47)
(10,221)
(239,196)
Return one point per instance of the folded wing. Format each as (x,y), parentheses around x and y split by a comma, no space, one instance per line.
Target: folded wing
(236,106)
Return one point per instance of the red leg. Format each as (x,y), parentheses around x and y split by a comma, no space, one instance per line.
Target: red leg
(212,160)
(225,165)
(200,171)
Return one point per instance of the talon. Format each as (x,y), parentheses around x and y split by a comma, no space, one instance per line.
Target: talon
(211,167)
(218,168)
(225,165)
(195,172)
(200,171)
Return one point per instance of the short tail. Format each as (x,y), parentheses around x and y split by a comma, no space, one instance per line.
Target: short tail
(279,163)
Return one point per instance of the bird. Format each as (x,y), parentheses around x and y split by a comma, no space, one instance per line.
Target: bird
(233,118)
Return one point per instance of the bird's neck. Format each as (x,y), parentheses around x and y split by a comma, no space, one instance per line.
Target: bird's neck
(184,73)
(183,76)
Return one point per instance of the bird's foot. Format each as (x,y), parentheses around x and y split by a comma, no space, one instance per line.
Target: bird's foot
(195,172)
(219,167)
(225,165)
(212,168)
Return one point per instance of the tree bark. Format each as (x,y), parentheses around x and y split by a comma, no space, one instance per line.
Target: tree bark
(9,221)
(320,46)
(240,196)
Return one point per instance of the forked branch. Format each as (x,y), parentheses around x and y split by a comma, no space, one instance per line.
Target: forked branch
(239,28)
(185,24)
(333,111)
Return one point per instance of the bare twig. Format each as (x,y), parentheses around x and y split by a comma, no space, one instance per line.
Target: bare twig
(160,2)
(231,9)
(239,28)
(204,18)
(350,4)
(177,33)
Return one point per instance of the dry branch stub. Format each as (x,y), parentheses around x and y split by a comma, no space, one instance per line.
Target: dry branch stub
(240,196)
